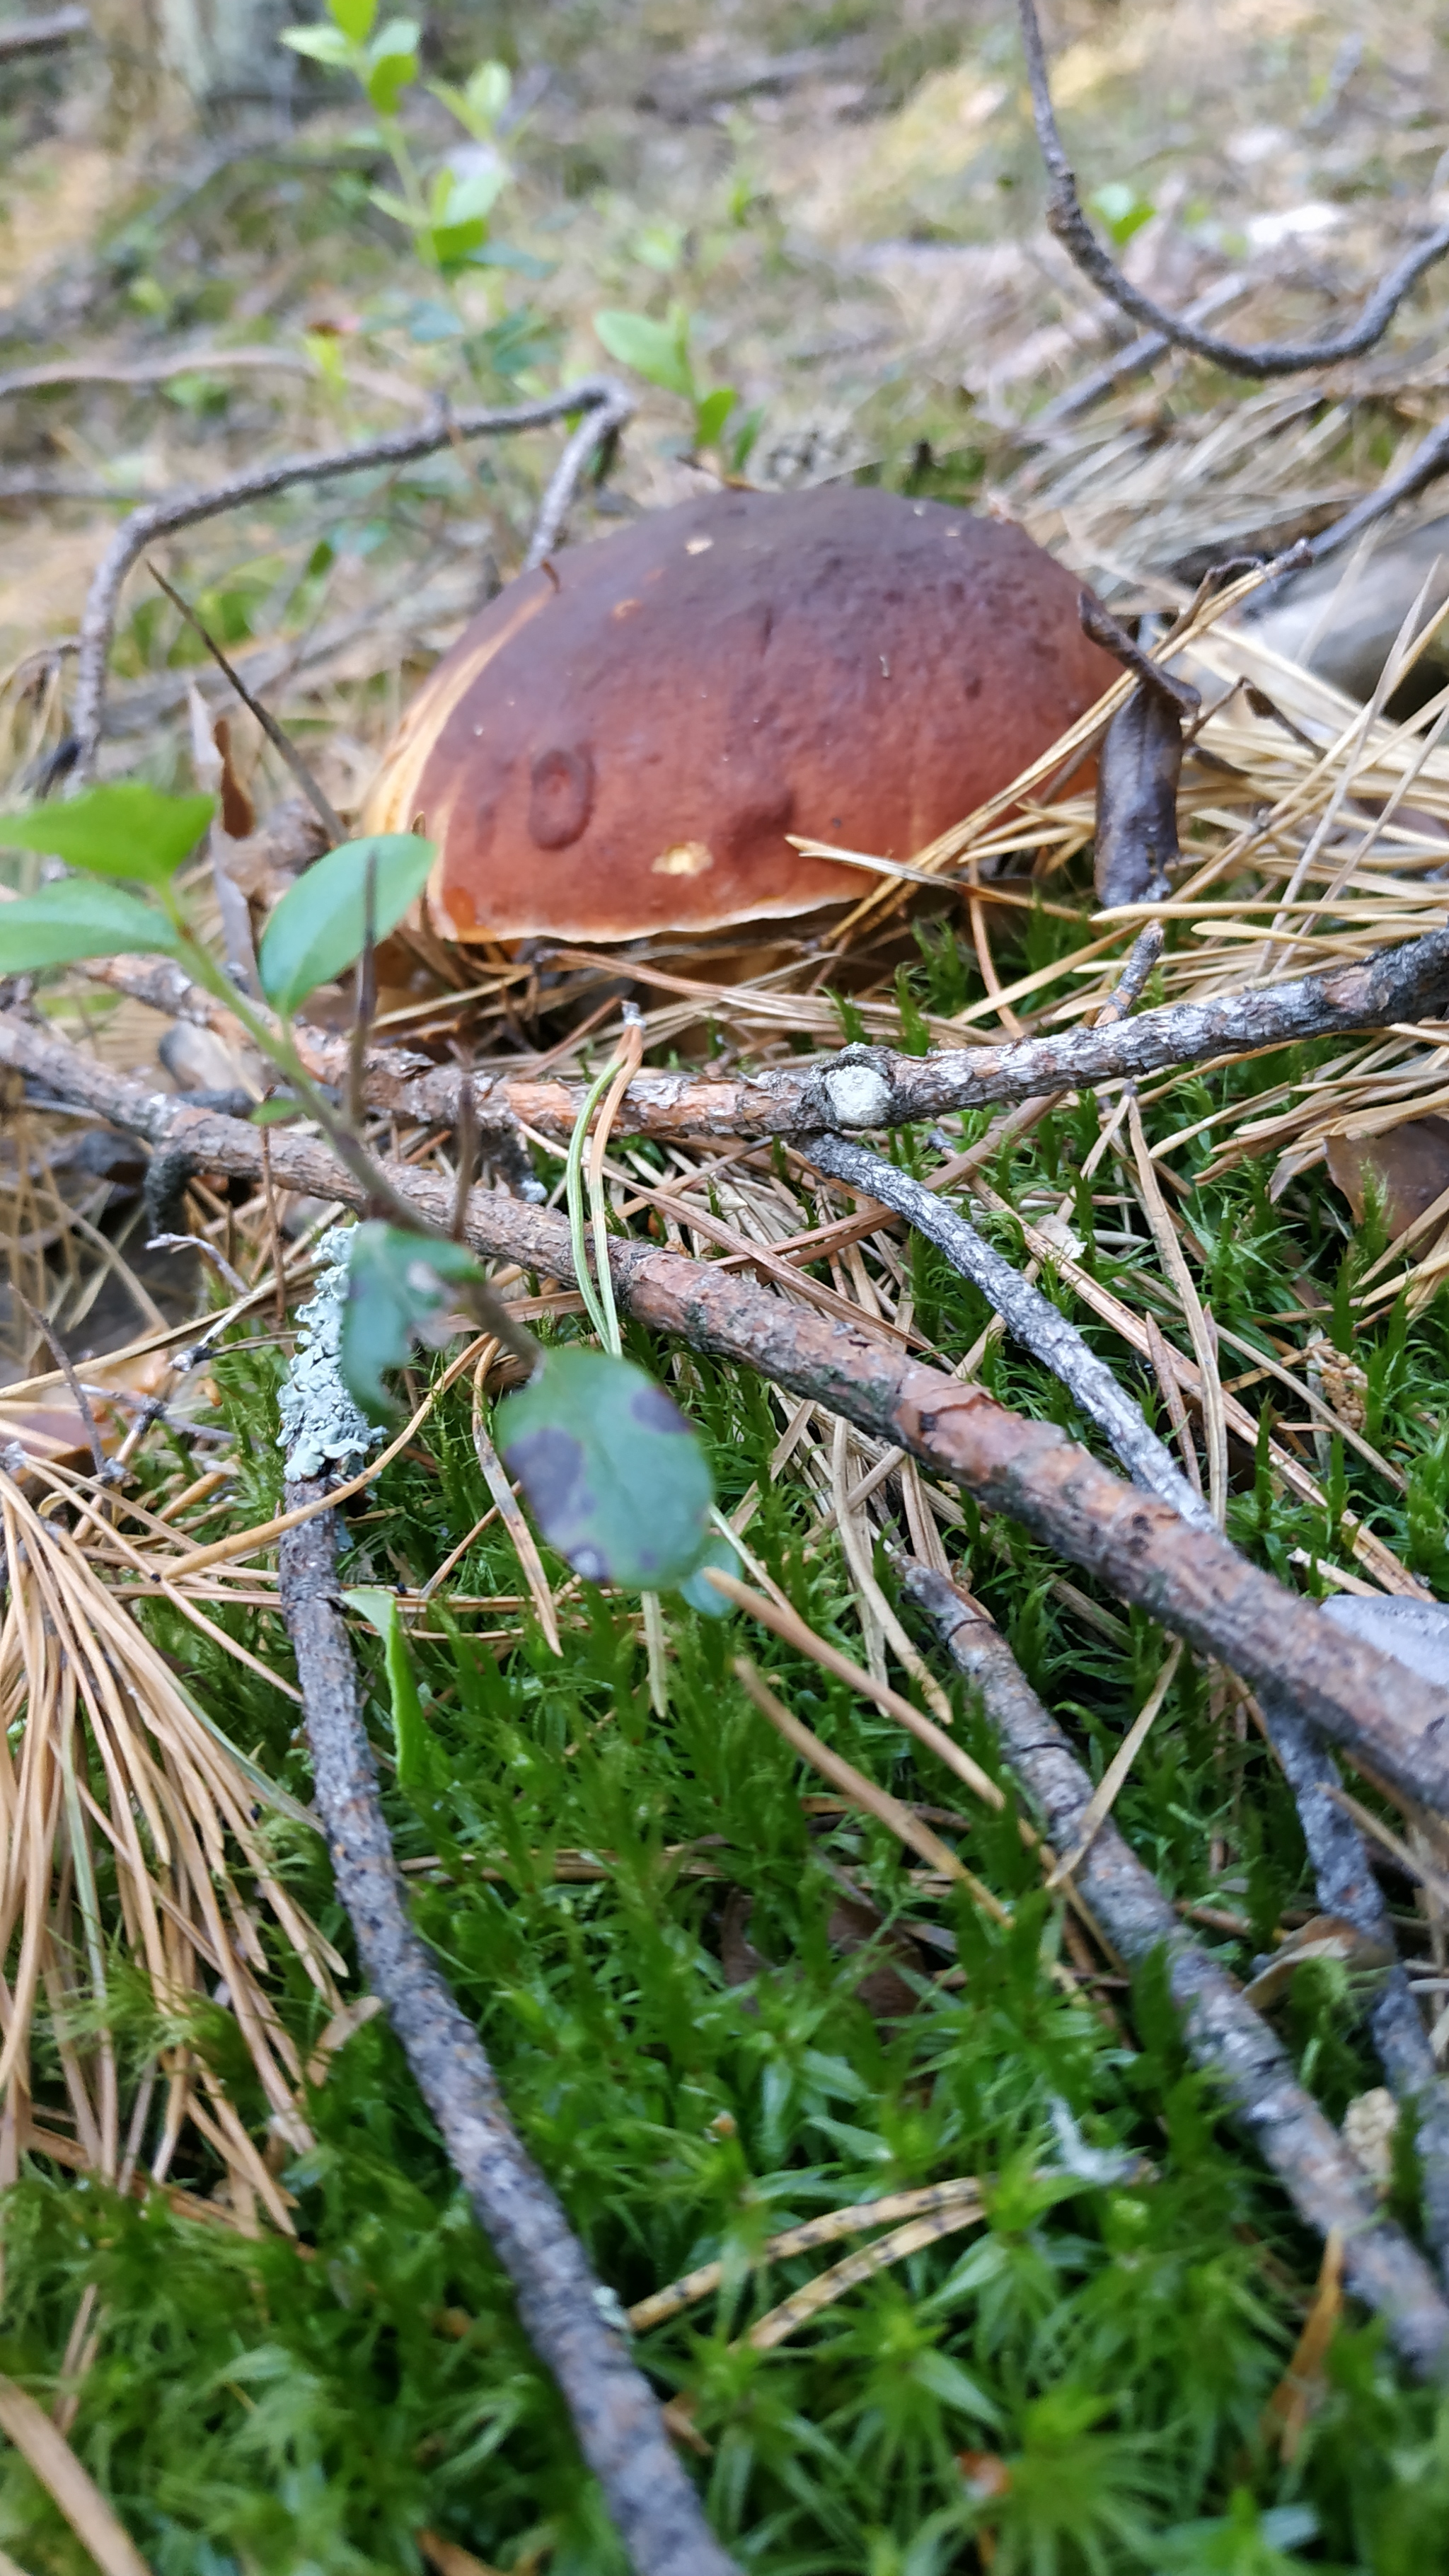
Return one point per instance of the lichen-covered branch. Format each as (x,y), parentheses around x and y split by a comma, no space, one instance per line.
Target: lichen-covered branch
(874,1087)
(1189,1579)
(1223,2033)
(566,2313)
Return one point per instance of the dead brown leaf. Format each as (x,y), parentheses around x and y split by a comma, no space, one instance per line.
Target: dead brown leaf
(1409,1164)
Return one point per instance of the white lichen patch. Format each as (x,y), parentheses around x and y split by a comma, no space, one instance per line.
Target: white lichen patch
(321,1425)
(859,1096)
(1369,2125)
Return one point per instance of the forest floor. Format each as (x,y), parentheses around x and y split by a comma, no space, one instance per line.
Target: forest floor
(721,2003)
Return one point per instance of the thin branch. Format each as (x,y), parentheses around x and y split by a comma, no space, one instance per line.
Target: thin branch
(1428,462)
(1189,1579)
(873,1087)
(281,742)
(1224,2035)
(1347,1887)
(1269,357)
(594,437)
(1344,1880)
(1030,1317)
(64,1363)
(187,509)
(566,2313)
(43,35)
(1132,360)
(1108,631)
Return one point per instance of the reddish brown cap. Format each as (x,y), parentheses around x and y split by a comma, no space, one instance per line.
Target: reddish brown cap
(622,743)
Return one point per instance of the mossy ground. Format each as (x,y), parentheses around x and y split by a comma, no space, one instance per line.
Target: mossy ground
(256,2407)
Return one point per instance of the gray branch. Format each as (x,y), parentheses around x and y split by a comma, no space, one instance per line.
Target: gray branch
(1030,1317)
(593,394)
(1190,1579)
(1223,2034)
(1337,1853)
(874,1087)
(1270,357)
(568,2315)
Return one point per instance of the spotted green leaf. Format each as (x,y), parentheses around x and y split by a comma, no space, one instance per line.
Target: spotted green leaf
(614,1475)
(398,1293)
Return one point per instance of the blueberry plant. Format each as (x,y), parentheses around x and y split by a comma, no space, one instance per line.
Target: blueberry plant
(615,1475)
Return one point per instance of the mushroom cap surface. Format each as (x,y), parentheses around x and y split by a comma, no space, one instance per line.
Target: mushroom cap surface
(621,741)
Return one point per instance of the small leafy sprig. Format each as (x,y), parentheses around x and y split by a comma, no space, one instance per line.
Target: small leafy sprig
(447,216)
(663,354)
(614,1473)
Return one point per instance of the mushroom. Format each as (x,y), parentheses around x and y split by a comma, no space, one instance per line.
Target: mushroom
(623,740)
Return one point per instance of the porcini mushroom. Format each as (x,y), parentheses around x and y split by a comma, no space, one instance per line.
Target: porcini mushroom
(623,740)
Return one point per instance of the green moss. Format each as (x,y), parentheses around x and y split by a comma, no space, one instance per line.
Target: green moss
(255,2408)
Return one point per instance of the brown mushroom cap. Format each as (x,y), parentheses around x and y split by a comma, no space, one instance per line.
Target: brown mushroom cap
(621,742)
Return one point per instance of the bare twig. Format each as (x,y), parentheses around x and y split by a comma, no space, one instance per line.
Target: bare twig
(1222,2032)
(281,742)
(1132,360)
(186,509)
(1345,1883)
(593,438)
(872,1087)
(62,1359)
(1032,1318)
(1112,635)
(867,1087)
(45,35)
(1189,1579)
(1428,462)
(1347,1888)
(566,2313)
(1269,357)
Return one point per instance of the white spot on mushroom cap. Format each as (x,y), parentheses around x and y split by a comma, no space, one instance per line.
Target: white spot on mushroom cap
(685,859)
(858,1095)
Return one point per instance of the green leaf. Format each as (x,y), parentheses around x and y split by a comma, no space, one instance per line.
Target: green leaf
(743,441)
(1122,210)
(388,79)
(697,1589)
(319,44)
(271,1113)
(472,193)
(72,919)
(129,830)
(451,246)
(397,1294)
(392,63)
(711,414)
(320,926)
(480,105)
(658,351)
(398,207)
(489,90)
(417,1754)
(614,1474)
(354,17)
